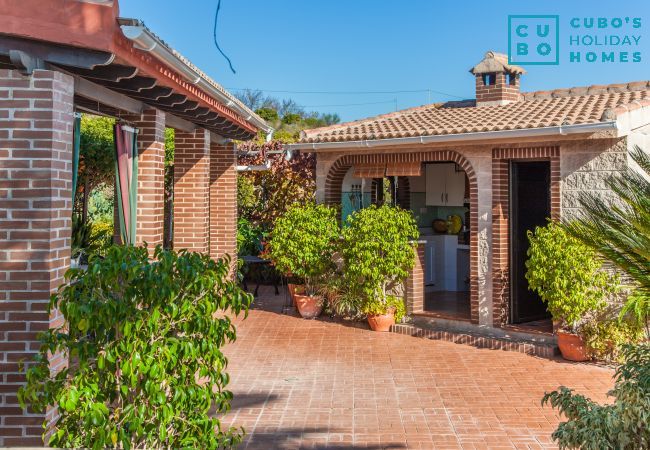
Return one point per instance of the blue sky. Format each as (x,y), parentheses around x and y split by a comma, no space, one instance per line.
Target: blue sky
(376,45)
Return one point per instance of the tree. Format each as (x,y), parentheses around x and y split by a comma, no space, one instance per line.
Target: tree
(378,253)
(619,229)
(170,146)
(97,159)
(268,114)
(145,339)
(621,425)
(254,99)
(567,275)
(291,118)
(276,189)
(303,242)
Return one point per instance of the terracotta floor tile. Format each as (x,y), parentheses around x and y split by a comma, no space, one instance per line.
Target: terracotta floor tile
(322,385)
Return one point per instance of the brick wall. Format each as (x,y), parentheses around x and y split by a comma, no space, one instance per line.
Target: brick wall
(498,93)
(338,169)
(223,200)
(35,221)
(500,217)
(192,190)
(415,284)
(151,176)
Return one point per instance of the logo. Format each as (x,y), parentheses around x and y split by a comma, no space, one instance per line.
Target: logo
(534,40)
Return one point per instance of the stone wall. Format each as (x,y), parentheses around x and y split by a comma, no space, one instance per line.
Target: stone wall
(585,165)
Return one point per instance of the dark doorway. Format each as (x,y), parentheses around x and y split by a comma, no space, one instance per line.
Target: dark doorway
(530,206)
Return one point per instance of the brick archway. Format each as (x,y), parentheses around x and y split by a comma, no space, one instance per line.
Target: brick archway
(334,184)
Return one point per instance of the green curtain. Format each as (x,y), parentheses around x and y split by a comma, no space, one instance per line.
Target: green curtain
(76,141)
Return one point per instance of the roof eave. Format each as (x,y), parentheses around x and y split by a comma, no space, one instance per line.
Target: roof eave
(146,41)
(461,137)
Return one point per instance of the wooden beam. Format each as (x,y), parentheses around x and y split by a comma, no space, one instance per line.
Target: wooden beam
(56,53)
(177,123)
(93,91)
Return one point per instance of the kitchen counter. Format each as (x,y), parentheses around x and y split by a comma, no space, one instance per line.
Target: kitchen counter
(446,262)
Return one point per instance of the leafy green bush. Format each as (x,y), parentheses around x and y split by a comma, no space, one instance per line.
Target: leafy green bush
(249,238)
(567,275)
(622,425)
(378,253)
(144,342)
(607,333)
(91,238)
(101,235)
(618,229)
(377,307)
(303,243)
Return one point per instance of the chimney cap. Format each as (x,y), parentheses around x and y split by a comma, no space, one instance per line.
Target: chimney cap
(495,62)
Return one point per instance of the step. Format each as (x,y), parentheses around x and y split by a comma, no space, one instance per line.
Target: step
(461,332)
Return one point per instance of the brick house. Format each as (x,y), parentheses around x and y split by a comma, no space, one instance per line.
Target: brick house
(61,57)
(503,162)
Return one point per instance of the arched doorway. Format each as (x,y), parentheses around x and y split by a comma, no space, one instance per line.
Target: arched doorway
(333,196)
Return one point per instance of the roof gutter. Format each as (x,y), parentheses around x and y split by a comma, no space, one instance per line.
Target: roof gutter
(461,137)
(146,41)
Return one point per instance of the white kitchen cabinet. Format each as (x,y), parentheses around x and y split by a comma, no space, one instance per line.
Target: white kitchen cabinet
(435,181)
(445,186)
(455,195)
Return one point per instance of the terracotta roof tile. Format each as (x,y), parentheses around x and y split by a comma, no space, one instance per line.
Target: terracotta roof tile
(578,105)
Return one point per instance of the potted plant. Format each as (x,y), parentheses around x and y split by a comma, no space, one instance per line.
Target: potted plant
(569,277)
(302,244)
(378,254)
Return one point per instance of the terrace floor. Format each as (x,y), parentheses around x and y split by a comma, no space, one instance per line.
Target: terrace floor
(319,384)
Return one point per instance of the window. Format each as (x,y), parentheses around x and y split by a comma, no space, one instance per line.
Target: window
(489,79)
(512,79)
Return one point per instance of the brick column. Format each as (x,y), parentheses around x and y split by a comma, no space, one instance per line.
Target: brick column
(415,283)
(36,123)
(151,177)
(192,190)
(223,201)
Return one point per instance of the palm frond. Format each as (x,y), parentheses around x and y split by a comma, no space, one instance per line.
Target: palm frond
(618,228)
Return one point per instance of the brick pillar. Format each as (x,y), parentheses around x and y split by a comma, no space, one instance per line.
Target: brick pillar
(151,177)
(223,201)
(192,190)
(36,120)
(415,283)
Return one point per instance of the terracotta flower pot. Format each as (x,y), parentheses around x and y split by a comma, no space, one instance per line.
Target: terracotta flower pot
(572,346)
(309,306)
(292,289)
(382,322)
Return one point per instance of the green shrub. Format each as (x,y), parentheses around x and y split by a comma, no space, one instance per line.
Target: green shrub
(606,334)
(622,425)
(303,242)
(343,298)
(618,229)
(567,275)
(249,238)
(101,235)
(378,253)
(144,342)
(376,306)
(91,238)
